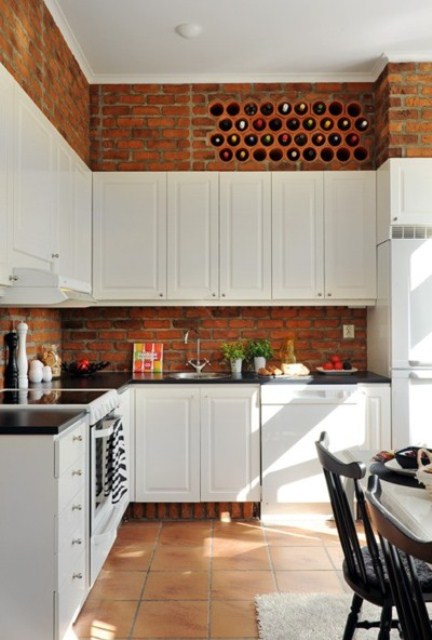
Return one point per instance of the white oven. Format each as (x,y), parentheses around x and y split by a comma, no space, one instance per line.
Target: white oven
(109,494)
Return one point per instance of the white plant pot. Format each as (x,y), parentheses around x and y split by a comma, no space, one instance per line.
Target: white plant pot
(259,363)
(236,365)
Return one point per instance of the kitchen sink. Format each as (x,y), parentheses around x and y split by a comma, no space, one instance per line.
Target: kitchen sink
(194,375)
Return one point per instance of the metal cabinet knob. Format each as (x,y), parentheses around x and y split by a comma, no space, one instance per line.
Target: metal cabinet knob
(77,541)
(77,507)
(319,295)
(77,438)
(161,295)
(77,472)
(55,255)
(223,295)
(77,576)
(329,295)
(13,278)
(213,295)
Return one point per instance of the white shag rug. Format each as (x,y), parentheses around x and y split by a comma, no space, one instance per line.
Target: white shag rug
(313,616)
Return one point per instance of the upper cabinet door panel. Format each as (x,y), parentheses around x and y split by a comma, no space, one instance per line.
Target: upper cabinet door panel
(297,235)
(129,235)
(193,214)
(245,236)
(350,235)
(411,191)
(82,220)
(34,185)
(6,131)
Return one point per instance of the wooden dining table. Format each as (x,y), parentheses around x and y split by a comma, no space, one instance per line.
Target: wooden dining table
(401,493)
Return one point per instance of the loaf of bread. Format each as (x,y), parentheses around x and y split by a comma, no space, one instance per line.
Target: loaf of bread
(296,369)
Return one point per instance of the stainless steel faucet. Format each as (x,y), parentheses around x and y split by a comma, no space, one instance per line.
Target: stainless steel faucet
(196,363)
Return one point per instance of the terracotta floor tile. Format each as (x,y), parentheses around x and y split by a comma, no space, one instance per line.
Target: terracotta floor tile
(233,619)
(300,559)
(230,547)
(130,558)
(238,530)
(336,557)
(118,585)
(190,533)
(242,559)
(170,619)
(136,532)
(177,585)
(241,585)
(106,619)
(181,558)
(298,535)
(309,581)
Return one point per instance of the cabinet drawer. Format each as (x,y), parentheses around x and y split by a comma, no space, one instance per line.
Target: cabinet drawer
(71,483)
(70,448)
(72,495)
(70,597)
(69,557)
(71,523)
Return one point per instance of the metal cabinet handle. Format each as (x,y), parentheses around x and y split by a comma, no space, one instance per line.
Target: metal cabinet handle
(13,278)
(77,541)
(77,507)
(55,255)
(77,438)
(77,472)
(77,576)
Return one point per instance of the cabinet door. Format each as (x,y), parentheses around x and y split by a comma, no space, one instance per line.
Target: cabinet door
(127,412)
(230,449)
(193,242)
(34,186)
(298,235)
(350,245)
(378,416)
(6,124)
(129,236)
(167,445)
(245,236)
(411,191)
(82,217)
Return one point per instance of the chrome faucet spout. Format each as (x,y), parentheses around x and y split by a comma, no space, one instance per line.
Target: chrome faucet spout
(196,363)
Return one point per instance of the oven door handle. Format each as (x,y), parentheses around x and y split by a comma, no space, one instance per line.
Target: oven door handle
(107,431)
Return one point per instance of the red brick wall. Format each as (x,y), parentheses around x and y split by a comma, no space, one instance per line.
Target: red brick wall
(44,328)
(167,127)
(404,111)
(36,54)
(109,333)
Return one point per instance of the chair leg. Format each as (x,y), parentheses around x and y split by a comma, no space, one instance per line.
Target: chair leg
(353,616)
(385,622)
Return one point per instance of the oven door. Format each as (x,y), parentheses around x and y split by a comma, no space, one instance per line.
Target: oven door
(106,514)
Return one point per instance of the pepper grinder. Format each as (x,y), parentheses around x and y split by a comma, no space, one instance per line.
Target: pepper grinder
(22,361)
(11,371)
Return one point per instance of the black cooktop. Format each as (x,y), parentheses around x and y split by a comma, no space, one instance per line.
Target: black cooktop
(48,397)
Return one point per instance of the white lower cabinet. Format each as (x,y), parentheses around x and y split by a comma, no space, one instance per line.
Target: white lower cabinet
(197,443)
(44,545)
(293,417)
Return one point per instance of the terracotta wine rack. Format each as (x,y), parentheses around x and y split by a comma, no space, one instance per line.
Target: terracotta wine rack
(289,131)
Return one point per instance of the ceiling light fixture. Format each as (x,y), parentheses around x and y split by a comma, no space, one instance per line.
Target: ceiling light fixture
(188,30)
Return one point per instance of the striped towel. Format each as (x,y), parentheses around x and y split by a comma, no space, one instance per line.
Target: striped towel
(115,461)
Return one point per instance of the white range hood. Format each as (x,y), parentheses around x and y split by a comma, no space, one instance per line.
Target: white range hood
(39,288)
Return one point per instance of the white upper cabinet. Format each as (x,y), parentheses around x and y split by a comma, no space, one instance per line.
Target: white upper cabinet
(245,236)
(298,235)
(73,218)
(350,235)
(129,227)
(34,185)
(193,226)
(404,194)
(6,203)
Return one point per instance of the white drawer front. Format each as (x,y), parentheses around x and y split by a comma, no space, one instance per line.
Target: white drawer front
(70,448)
(71,482)
(70,596)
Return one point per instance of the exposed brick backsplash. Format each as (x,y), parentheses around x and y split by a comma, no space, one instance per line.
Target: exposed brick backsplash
(36,54)
(44,328)
(192,510)
(156,127)
(109,333)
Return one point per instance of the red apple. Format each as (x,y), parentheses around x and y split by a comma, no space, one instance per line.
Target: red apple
(338,365)
(327,366)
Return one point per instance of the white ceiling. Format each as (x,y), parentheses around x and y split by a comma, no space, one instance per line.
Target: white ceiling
(243,40)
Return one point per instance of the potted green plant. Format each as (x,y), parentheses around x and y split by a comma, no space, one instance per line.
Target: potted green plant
(259,351)
(234,353)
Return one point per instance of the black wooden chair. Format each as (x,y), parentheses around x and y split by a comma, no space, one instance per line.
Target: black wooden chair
(405,557)
(362,567)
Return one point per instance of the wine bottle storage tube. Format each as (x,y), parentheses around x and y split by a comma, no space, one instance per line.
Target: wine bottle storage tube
(318,129)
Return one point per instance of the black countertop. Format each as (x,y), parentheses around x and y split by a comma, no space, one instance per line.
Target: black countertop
(37,422)
(107,380)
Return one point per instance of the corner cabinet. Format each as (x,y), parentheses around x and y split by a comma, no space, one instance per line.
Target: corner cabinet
(324,236)
(44,550)
(129,231)
(197,443)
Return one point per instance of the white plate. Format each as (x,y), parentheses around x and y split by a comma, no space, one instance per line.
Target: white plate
(393,465)
(337,371)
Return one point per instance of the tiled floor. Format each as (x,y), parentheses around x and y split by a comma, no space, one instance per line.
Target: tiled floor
(177,580)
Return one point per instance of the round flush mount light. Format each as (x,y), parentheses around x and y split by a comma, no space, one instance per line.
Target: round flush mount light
(188,30)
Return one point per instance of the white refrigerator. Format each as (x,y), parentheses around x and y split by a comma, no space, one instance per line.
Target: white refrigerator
(400,335)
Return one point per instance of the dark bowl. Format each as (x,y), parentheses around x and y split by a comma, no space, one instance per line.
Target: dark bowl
(75,368)
(407,457)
